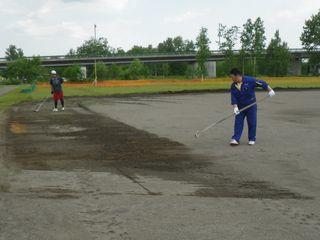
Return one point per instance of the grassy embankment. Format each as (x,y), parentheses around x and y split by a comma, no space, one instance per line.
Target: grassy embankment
(109,88)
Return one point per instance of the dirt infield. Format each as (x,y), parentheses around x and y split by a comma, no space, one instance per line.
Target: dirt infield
(83,140)
(130,168)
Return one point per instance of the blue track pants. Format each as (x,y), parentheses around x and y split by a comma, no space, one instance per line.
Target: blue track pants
(251,115)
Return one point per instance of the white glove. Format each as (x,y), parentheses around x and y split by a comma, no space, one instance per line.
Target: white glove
(271,93)
(236,111)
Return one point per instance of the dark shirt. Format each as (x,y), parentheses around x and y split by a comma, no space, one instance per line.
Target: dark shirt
(56,84)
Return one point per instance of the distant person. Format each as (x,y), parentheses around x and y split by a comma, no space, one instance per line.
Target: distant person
(56,89)
(242,95)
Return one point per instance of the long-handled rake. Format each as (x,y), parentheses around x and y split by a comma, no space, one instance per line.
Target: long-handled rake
(198,133)
(41,104)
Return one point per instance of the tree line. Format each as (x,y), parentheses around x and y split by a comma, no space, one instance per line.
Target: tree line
(255,56)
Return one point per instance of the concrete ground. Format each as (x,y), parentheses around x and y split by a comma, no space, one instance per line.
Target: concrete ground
(130,168)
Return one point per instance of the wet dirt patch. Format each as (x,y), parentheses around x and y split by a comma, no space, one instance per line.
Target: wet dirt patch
(4,187)
(65,128)
(54,193)
(17,127)
(75,140)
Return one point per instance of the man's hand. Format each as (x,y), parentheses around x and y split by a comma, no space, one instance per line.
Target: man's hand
(236,111)
(271,93)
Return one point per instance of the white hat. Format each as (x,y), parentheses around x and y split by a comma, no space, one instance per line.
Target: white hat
(53,72)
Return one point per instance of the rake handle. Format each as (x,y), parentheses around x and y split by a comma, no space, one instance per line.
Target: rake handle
(198,133)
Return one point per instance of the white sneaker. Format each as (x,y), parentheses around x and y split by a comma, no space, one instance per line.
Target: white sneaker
(62,109)
(234,142)
(55,110)
(251,143)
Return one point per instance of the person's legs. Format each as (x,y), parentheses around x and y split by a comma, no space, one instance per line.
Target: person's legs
(252,122)
(61,99)
(238,126)
(55,100)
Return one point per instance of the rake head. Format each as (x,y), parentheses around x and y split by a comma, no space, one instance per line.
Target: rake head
(197,135)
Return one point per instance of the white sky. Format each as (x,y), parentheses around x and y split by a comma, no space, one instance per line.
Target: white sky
(52,27)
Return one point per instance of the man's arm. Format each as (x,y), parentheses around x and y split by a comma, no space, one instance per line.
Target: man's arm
(234,102)
(271,92)
(51,86)
(264,85)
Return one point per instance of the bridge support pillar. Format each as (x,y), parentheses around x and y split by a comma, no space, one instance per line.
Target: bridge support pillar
(211,67)
(84,72)
(295,67)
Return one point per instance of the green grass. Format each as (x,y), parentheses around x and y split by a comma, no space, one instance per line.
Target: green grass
(15,97)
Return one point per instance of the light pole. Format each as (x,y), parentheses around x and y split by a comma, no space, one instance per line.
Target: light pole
(95,60)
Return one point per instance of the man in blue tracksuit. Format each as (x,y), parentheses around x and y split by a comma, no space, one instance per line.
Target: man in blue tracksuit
(242,95)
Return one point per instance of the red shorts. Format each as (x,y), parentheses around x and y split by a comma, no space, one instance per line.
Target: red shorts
(57,96)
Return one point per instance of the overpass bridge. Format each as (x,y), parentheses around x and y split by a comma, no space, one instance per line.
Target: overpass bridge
(62,60)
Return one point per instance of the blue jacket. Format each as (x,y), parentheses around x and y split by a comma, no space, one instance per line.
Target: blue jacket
(247,94)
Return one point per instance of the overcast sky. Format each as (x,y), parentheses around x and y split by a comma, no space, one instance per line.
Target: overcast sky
(52,27)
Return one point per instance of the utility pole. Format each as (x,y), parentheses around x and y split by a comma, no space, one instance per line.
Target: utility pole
(95,82)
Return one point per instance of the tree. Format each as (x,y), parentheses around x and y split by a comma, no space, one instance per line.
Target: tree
(167,46)
(13,53)
(227,40)
(115,71)
(165,68)
(203,52)
(136,70)
(102,71)
(158,69)
(252,45)
(176,45)
(25,70)
(278,57)
(139,50)
(189,46)
(71,54)
(258,45)
(93,48)
(310,39)
(178,68)
(73,73)
(191,72)
(247,36)
(310,36)
(246,52)
(120,52)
